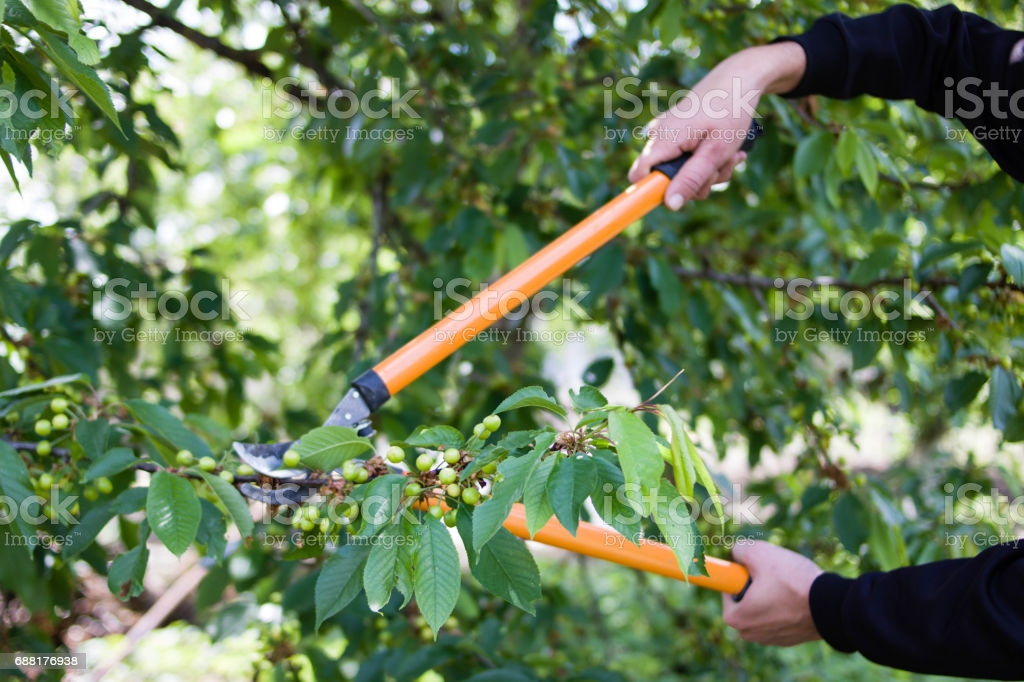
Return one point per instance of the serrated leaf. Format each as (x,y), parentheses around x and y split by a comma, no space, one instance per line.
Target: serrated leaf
(328,447)
(694,459)
(637,448)
(16,484)
(1013,261)
(489,516)
(682,463)
(812,154)
(212,531)
(57,14)
(113,461)
(611,501)
(506,568)
(173,511)
(233,502)
(169,427)
(678,530)
(83,77)
(570,484)
(406,565)
(535,496)
(437,577)
(588,398)
(340,581)
(436,437)
(381,572)
(381,502)
(530,396)
(127,572)
(92,436)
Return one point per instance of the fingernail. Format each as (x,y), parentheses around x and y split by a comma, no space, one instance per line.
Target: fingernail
(675,202)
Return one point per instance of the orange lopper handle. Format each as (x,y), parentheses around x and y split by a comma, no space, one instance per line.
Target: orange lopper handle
(435,344)
(653,557)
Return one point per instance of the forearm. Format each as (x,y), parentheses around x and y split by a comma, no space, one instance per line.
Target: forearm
(963,617)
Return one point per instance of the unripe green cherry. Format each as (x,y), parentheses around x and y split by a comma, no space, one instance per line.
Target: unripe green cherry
(481,432)
(45,480)
(207,463)
(59,405)
(184,458)
(350,510)
(362,475)
(471,496)
(450,518)
(325,525)
(43,448)
(395,454)
(43,427)
(447,476)
(12,417)
(489,468)
(425,462)
(90,494)
(227,476)
(60,422)
(104,485)
(306,525)
(492,422)
(452,455)
(437,511)
(453,490)
(349,469)
(291,458)
(413,489)
(245,470)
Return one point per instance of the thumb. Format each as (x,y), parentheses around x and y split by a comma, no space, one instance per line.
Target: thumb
(699,169)
(748,554)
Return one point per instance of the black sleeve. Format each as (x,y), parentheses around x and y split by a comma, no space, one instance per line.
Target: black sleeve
(957,617)
(949,62)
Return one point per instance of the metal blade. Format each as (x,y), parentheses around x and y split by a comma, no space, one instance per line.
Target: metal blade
(288,495)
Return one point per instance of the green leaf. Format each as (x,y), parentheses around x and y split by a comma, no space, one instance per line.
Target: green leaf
(506,568)
(127,572)
(381,572)
(850,520)
(57,14)
(638,452)
(340,581)
(867,168)
(83,77)
(682,462)
(812,154)
(570,484)
(611,501)
(678,530)
(85,531)
(213,529)
(704,476)
(437,577)
(436,437)
(92,436)
(961,391)
(670,290)
(489,516)
(114,461)
(530,396)
(43,385)
(169,427)
(1004,398)
(328,447)
(16,484)
(1013,261)
(535,495)
(381,502)
(588,398)
(406,566)
(233,502)
(972,277)
(173,511)
(598,372)
(130,501)
(846,150)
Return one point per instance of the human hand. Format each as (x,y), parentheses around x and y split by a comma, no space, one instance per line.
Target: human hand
(713,121)
(776,608)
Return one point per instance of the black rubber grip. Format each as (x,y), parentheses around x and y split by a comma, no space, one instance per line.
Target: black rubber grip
(372,388)
(670,168)
(737,597)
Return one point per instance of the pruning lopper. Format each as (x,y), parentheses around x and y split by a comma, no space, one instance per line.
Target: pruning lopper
(375,386)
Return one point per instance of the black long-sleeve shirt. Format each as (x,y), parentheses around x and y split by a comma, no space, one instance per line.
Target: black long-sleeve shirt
(966,616)
(953,63)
